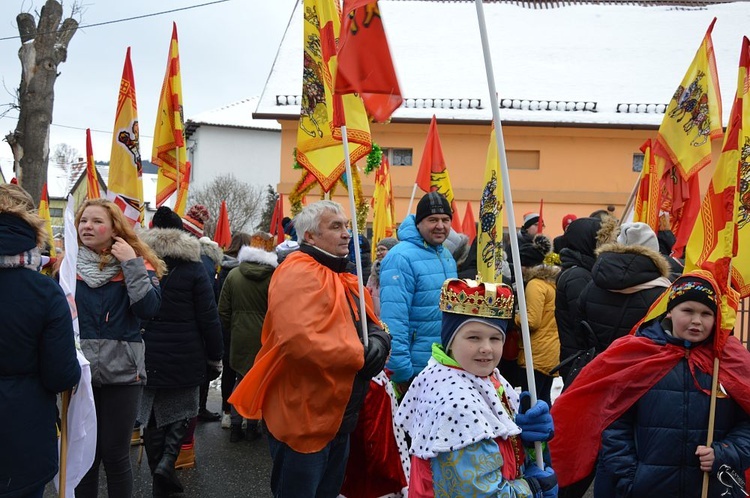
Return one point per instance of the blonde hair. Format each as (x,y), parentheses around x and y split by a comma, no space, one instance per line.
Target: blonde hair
(121,227)
(15,201)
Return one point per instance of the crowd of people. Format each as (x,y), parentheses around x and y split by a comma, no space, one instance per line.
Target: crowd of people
(415,387)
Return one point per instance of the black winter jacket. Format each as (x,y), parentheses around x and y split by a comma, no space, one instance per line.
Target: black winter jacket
(649,452)
(610,303)
(186,332)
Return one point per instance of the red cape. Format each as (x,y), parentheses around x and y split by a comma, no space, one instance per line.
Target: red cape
(615,380)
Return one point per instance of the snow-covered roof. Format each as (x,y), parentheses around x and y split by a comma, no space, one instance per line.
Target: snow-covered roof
(238,115)
(603,65)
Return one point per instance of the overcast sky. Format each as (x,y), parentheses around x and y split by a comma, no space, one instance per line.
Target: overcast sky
(226,52)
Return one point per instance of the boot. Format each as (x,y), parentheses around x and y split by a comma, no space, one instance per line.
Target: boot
(153,442)
(186,458)
(172,444)
(160,487)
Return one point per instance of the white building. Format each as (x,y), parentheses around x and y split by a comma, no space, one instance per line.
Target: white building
(229,140)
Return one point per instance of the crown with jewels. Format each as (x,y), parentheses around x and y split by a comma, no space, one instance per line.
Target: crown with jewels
(469,297)
(263,240)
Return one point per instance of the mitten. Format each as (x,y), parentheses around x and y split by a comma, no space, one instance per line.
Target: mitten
(536,423)
(543,483)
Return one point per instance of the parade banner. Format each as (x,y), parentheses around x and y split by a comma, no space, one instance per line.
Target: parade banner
(490,236)
(469,225)
(92,176)
(646,208)
(383,221)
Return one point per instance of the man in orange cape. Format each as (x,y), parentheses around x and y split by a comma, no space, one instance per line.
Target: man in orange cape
(310,377)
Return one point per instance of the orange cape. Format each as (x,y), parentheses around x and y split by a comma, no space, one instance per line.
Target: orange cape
(302,378)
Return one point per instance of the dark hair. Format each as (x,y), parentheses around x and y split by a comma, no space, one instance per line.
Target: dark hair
(239,239)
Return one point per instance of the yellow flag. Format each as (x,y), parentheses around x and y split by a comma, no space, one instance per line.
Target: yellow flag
(319,146)
(169,141)
(383,224)
(693,117)
(646,208)
(44,214)
(125,182)
(490,235)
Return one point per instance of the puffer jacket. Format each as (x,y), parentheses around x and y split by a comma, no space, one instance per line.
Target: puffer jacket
(411,276)
(186,331)
(540,312)
(626,280)
(243,304)
(110,318)
(650,450)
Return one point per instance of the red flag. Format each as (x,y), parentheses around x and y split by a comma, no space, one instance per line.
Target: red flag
(469,226)
(432,174)
(277,228)
(455,219)
(541,217)
(92,179)
(223,234)
(364,60)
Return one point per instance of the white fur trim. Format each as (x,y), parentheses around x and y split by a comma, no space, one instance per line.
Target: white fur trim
(256,255)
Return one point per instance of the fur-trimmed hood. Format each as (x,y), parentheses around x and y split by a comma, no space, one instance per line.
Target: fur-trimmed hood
(659,260)
(172,243)
(256,255)
(620,267)
(211,249)
(543,272)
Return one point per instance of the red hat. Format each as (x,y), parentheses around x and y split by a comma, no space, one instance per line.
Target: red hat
(567,220)
(194,220)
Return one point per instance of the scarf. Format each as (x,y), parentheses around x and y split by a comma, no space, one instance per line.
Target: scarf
(95,269)
(31,259)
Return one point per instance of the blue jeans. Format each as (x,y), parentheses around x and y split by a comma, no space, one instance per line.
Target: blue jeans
(308,475)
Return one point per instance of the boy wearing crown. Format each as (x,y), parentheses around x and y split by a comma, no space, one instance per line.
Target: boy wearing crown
(643,404)
(467,435)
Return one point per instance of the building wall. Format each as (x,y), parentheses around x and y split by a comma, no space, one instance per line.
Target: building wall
(251,155)
(580,169)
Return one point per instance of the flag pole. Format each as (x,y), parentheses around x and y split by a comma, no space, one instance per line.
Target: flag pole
(711,420)
(355,235)
(511,216)
(63,442)
(630,205)
(411,201)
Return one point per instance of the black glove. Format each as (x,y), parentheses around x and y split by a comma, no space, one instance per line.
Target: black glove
(375,356)
(213,369)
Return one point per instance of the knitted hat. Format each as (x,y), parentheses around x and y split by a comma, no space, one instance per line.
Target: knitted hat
(387,242)
(463,301)
(166,218)
(567,220)
(285,249)
(530,219)
(692,288)
(194,219)
(456,243)
(638,234)
(432,203)
(533,253)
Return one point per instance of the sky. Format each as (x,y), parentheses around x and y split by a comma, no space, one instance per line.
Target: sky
(226,48)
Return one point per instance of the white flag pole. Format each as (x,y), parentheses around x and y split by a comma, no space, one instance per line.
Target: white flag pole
(511,217)
(355,235)
(411,201)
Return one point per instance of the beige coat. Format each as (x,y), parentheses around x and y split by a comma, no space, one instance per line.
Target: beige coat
(540,309)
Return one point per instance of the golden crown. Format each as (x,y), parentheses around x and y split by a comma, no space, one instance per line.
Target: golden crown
(263,240)
(469,297)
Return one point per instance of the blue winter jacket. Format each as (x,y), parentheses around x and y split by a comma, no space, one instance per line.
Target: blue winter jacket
(411,276)
(650,450)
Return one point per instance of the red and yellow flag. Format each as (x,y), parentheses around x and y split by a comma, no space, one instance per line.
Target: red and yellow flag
(168,152)
(383,220)
(365,64)
(646,208)
(433,174)
(693,117)
(319,146)
(469,226)
(45,215)
(490,236)
(277,228)
(125,182)
(223,234)
(678,197)
(92,177)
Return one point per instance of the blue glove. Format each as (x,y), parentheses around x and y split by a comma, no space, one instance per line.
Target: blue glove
(543,483)
(536,424)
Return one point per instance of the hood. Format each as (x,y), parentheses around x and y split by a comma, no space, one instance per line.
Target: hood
(543,272)
(255,270)
(228,262)
(256,255)
(408,232)
(172,243)
(581,235)
(211,249)
(619,266)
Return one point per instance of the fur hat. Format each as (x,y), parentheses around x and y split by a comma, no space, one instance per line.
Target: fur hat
(432,203)
(166,218)
(285,249)
(567,220)
(387,242)
(692,288)
(194,220)
(530,219)
(463,301)
(638,234)
(456,243)
(533,254)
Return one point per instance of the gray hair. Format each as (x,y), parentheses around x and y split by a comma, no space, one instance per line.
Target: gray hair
(308,220)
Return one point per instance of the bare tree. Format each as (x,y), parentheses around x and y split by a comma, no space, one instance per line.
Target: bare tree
(44,46)
(245,202)
(65,155)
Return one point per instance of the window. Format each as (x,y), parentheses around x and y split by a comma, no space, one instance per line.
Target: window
(398,157)
(522,159)
(638,162)
(55,212)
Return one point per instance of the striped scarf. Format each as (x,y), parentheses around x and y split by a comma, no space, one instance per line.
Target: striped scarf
(31,259)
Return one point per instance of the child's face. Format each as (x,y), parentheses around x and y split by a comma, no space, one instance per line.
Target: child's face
(692,321)
(477,347)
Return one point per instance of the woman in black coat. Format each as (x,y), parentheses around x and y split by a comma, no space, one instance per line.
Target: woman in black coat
(37,351)
(180,340)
